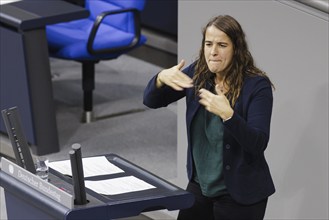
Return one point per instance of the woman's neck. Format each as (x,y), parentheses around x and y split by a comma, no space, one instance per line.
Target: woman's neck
(220,81)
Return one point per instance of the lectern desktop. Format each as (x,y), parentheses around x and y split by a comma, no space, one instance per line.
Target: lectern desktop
(26,202)
(116,188)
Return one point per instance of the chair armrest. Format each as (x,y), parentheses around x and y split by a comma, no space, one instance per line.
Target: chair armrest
(97,23)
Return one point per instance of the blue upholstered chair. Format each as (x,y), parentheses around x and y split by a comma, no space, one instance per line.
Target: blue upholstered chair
(112,29)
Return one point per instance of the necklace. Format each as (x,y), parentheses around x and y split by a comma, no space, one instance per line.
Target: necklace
(220,85)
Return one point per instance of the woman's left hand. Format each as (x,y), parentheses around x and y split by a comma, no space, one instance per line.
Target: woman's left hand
(217,104)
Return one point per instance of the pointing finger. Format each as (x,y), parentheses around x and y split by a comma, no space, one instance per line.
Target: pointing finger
(181,64)
(204,93)
(218,90)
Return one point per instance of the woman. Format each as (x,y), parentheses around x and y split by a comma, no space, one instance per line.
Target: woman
(229,105)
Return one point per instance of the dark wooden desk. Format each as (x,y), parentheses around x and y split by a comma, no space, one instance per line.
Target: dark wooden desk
(25,79)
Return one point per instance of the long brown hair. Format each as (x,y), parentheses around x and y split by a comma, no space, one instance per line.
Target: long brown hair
(242,62)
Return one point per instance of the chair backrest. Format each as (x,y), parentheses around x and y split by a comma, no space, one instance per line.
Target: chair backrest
(120,21)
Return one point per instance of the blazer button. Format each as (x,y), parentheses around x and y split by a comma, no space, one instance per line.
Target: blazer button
(227,146)
(227,167)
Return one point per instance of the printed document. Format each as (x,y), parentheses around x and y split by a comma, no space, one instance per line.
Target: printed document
(3,2)
(92,166)
(118,185)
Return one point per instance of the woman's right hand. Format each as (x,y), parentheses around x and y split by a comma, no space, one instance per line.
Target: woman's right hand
(174,78)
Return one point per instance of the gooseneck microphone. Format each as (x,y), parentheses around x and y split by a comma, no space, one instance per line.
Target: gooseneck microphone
(77,175)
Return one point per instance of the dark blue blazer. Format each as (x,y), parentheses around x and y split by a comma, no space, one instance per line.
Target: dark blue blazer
(246,135)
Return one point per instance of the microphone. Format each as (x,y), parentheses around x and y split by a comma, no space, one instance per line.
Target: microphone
(77,175)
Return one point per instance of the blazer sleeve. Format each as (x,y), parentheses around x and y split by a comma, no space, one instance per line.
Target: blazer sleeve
(250,123)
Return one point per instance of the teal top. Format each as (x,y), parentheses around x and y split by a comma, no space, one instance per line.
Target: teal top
(207,148)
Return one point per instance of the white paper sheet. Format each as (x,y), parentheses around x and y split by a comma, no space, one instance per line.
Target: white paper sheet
(118,185)
(2,2)
(92,166)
